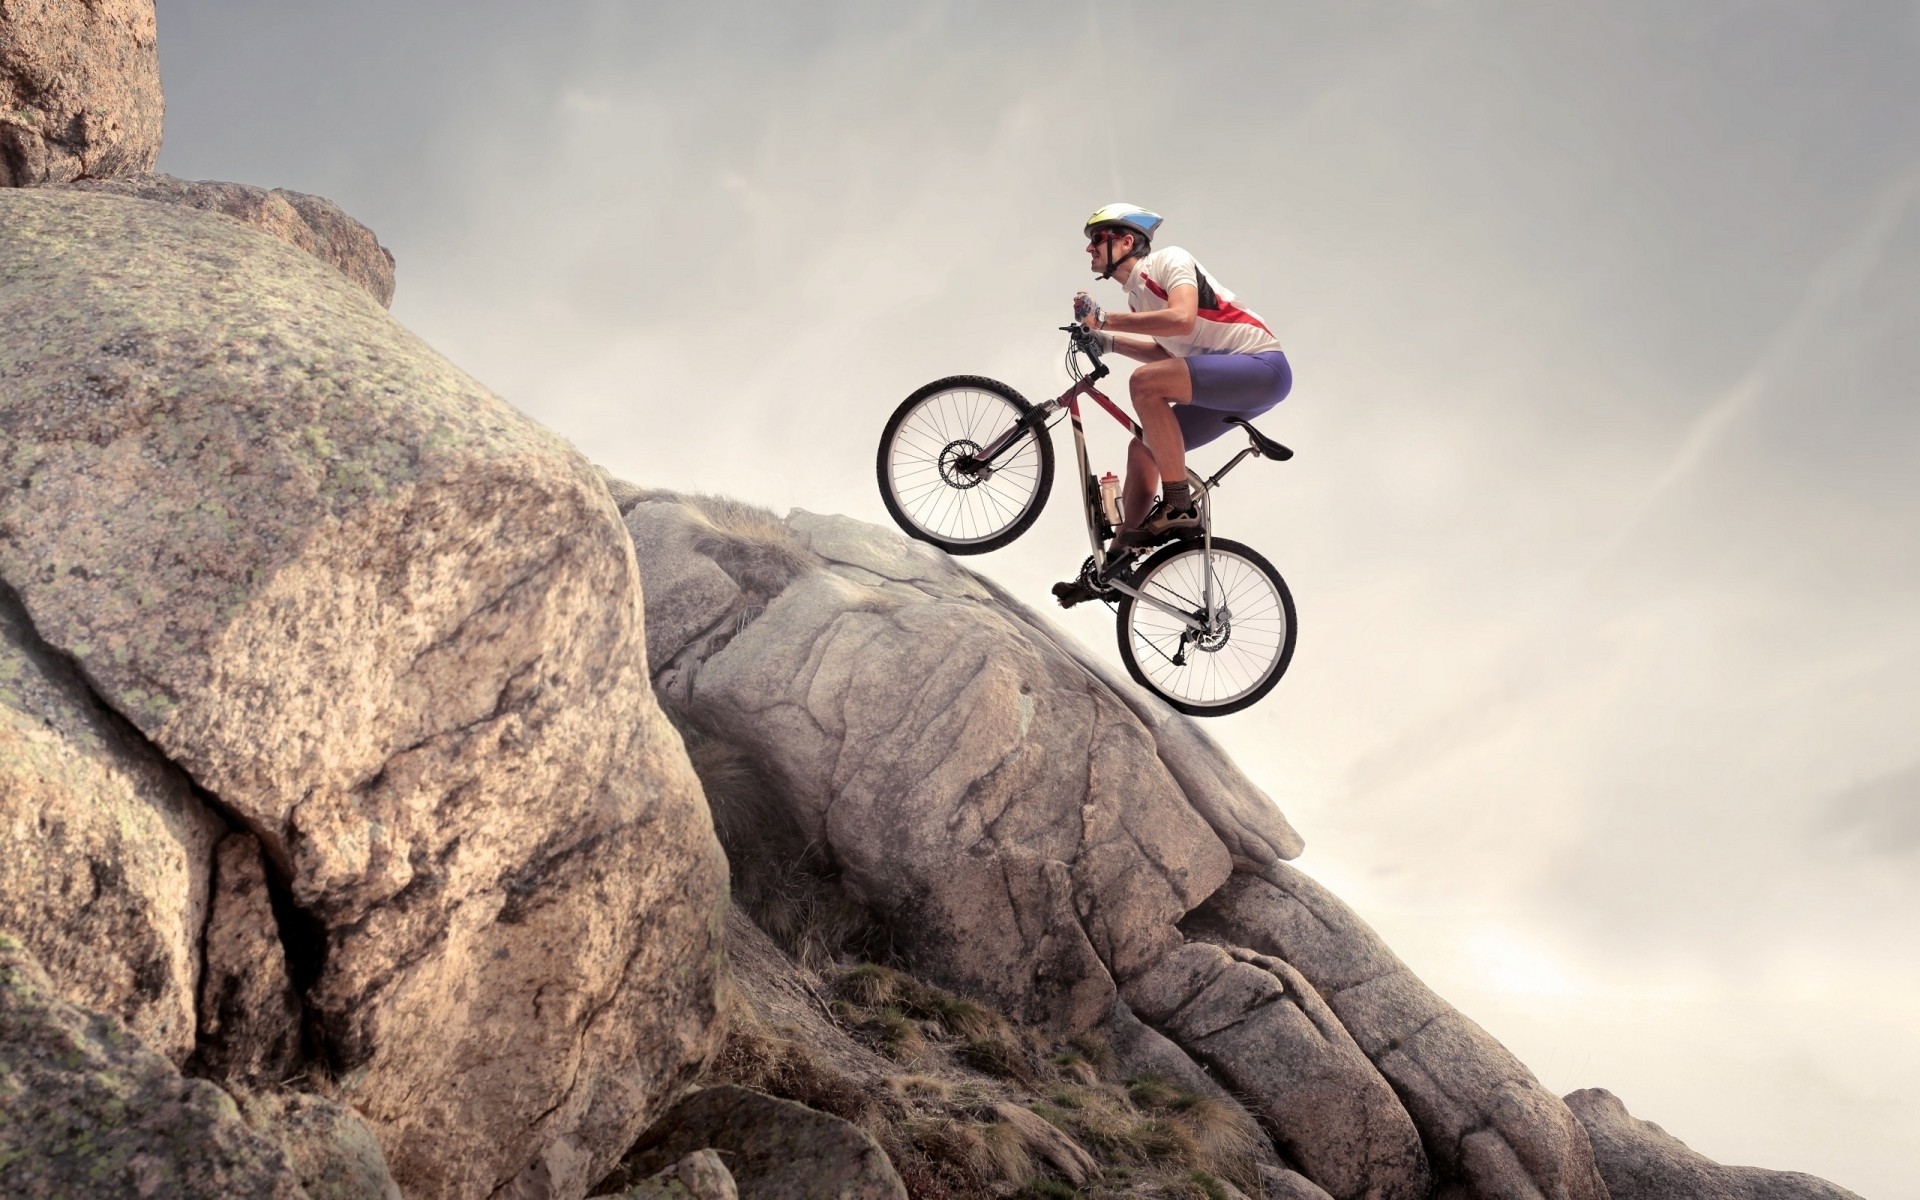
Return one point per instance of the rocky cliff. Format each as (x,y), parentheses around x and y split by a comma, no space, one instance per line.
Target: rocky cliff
(366,758)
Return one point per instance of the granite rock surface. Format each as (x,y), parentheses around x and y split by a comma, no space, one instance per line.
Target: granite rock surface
(79,90)
(1029,838)
(774,1149)
(107,870)
(86,1109)
(392,629)
(1483,1117)
(312,223)
(1641,1161)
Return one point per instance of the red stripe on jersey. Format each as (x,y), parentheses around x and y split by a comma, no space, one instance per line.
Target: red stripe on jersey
(1233,315)
(1228,313)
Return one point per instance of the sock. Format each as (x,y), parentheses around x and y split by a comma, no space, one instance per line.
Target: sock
(1178,496)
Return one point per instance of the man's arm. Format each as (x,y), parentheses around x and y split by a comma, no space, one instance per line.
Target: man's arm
(1142,349)
(1175,320)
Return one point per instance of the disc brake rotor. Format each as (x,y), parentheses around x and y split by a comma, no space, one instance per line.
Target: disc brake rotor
(958,467)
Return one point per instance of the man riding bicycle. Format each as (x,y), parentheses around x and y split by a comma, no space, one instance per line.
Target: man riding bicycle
(1205,359)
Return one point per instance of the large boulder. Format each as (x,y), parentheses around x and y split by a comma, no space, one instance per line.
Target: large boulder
(331,1150)
(392,628)
(87,1110)
(1026,835)
(1258,1025)
(312,223)
(775,1149)
(1641,1161)
(79,90)
(699,1176)
(106,871)
(1485,1119)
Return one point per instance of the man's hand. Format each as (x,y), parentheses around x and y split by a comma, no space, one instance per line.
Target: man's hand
(1086,311)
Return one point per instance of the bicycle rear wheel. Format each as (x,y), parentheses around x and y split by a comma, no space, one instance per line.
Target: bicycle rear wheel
(1228,666)
(936,491)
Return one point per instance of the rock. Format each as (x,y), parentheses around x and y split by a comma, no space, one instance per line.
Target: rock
(1139,1049)
(249,1012)
(699,1176)
(775,1149)
(1641,1161)
(332,1152)
(1256,1023)
(687,592)
(625,495)
(1482,1115)
(313,224)
(79,90)
(1067,1157)
(394,628)
(105,875)
(1245,820)
(1019,827)
(1280,1184)
(87,1110)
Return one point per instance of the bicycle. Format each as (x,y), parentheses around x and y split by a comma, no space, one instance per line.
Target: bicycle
(966,463)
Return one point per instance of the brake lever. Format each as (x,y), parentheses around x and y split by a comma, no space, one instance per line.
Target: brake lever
(1083,341)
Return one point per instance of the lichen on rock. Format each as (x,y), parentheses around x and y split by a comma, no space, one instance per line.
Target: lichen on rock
(79,90)
(106,870)
(392,627)
(86,1109)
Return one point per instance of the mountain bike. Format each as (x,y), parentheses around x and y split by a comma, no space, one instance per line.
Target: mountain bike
(966,463)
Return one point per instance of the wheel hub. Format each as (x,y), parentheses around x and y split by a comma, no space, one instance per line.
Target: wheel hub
(1215,636)
(959,468)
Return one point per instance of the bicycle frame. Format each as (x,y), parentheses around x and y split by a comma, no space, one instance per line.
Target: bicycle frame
(1039,421)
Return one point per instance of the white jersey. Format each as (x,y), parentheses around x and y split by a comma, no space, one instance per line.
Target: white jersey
(1223,328)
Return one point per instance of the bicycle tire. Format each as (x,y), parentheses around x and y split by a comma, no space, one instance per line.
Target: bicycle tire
(1227,676)
(934,502)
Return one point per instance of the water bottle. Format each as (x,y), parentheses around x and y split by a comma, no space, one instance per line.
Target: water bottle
(1110,497)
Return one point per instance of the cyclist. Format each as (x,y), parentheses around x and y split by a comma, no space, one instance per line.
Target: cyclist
(1205,358)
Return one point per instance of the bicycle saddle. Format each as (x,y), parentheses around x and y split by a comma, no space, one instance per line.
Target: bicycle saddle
(1267,447)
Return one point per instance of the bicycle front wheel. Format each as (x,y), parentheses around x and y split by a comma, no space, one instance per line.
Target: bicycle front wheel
(1244,644)
(936,489)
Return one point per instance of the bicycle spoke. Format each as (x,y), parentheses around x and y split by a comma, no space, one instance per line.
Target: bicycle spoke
(1240,652)
(933,477)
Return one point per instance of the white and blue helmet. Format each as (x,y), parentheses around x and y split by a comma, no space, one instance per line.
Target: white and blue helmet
(1128,217)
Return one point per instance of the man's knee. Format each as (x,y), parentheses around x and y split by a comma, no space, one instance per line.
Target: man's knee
(1161,381)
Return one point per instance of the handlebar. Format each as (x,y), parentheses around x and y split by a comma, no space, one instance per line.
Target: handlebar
(1080,339)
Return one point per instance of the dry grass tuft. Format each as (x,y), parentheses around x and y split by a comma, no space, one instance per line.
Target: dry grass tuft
(870,985)
(751,545)
(754,1057)
(1001,1057)
(897,1036)
(921,1087)
(1087,1058)
(783,881)
(1211,1136)
(1007,1152)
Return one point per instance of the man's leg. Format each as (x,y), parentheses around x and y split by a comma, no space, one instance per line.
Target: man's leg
(1156,388)
(1143,480)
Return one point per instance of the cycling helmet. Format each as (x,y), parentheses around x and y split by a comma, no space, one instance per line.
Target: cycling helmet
(1129,218)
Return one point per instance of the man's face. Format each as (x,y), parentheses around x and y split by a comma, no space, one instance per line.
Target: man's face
(1101,244)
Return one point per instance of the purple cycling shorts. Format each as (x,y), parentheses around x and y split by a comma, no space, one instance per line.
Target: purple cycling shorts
(1231,385)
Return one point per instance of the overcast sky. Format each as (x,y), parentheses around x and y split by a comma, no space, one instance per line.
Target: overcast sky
(1605,521)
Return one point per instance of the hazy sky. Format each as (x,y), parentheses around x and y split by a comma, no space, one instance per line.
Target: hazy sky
(1605,521)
